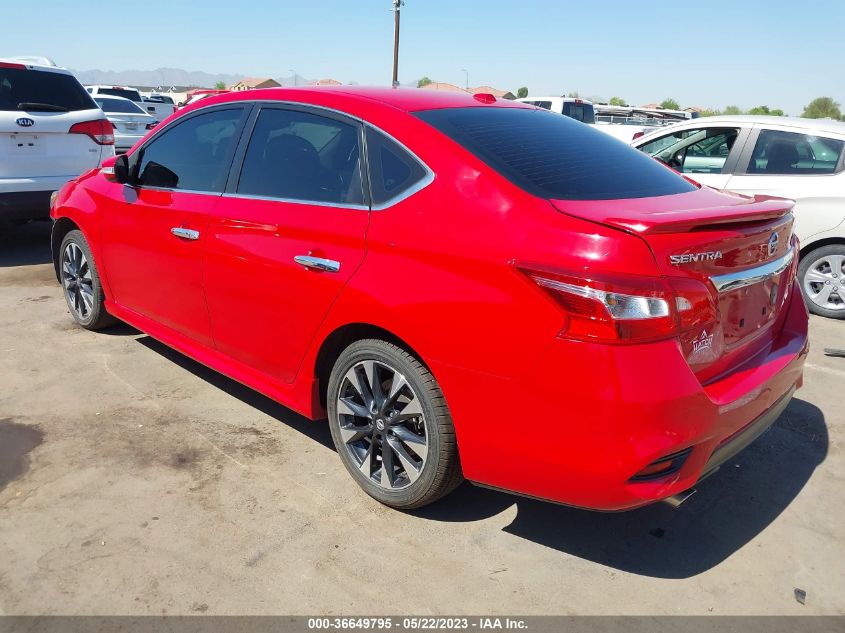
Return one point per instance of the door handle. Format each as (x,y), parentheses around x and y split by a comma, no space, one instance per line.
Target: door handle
(187,234)
(317,263)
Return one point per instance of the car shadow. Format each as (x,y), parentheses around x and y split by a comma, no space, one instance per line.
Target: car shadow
(314,430)
(728,510)
(26,244)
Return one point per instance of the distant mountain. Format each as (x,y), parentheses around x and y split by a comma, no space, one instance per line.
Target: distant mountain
(164,77)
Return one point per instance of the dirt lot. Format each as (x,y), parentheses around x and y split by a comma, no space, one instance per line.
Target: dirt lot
(135,481)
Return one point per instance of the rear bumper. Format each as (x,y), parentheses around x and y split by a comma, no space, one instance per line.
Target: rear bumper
(587,418)
(25,205)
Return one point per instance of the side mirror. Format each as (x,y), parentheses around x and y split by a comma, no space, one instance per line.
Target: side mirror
(121,169)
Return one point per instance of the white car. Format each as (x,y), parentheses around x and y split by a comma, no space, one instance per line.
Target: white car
(50,132)
(158,108)
(801,159)
(584,111)
(130,122)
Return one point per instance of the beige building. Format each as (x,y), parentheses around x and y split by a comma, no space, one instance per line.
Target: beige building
(252,83)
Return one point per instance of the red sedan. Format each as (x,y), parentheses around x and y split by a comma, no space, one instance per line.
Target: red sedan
(466,287)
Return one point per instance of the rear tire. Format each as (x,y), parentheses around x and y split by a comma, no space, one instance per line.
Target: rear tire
(81,283)
(821,274)
(391,425)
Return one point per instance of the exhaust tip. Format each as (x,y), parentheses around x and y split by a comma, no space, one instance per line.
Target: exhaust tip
(676,500)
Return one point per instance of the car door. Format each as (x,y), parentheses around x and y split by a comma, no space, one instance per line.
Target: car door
(804,166)
(154,228)
(707,154)
(287,235)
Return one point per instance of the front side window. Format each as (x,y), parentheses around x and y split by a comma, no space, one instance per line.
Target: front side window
(393,170)
(791,153)
(552,156)
(297,155)
(695,151)
(194,155)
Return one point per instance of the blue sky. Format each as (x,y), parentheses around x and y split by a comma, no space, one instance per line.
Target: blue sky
(742,52)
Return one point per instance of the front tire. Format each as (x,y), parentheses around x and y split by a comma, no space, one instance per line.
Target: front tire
(81,283)
(391,426)
(821,274)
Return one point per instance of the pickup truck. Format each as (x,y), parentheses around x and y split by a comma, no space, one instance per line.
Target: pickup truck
(156,107)
(584,111)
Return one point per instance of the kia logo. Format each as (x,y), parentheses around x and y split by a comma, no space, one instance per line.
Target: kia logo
(25,122)
(773,244)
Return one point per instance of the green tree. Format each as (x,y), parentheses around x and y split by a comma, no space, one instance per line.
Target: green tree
(423,82)
(732,110)
(220,85)
(709,112)
(521,93)
(670,104)
(573,95)
(764,109)
(822,108)
(617,101)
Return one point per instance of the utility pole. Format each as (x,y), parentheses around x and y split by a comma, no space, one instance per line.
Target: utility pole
(397,7)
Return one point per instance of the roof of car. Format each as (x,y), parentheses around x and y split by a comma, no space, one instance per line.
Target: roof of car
(409,99)
(828,125)
(35,63)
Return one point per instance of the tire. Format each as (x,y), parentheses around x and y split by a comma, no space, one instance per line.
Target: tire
(821,274)
(81,283)
(413,422)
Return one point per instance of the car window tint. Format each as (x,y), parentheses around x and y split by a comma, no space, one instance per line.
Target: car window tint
(194,154)
(779,152)
(546,105)
(119,106)
(21,89)
(553,156)
(302,156)
(583,112)
(392,169)
(132,95)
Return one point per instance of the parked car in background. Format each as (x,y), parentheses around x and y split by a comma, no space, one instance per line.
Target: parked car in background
(582,325)
(130,122)
(158,108)
(50,131)
(199,95)
(801,159)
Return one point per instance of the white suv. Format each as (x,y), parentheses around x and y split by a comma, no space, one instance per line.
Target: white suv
(801,159)
(50,132)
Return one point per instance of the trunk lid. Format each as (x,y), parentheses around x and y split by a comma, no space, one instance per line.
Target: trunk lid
(740,248)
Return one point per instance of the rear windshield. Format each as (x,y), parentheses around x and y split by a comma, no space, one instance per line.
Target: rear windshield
(37,90)
(553,156)
(583,112)
(132,95)
(118,105)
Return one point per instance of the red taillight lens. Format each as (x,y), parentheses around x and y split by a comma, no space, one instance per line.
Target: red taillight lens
(638,135)
(620,308)
(100,131)
(150,126)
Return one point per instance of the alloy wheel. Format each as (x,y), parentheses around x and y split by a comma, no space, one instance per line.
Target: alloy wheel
(382,424)
(824,282)
(77,281)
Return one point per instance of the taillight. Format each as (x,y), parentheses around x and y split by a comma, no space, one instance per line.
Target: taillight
(621,308)
(100,131)
(638,135)
(150,126)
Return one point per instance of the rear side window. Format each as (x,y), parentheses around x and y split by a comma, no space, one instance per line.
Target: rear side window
(552,156)
(393,171)
(297,155)
(36,90)
(194,154)
(790,153)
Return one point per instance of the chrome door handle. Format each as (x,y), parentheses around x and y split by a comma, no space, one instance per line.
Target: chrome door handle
(317,263)
(188,234)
